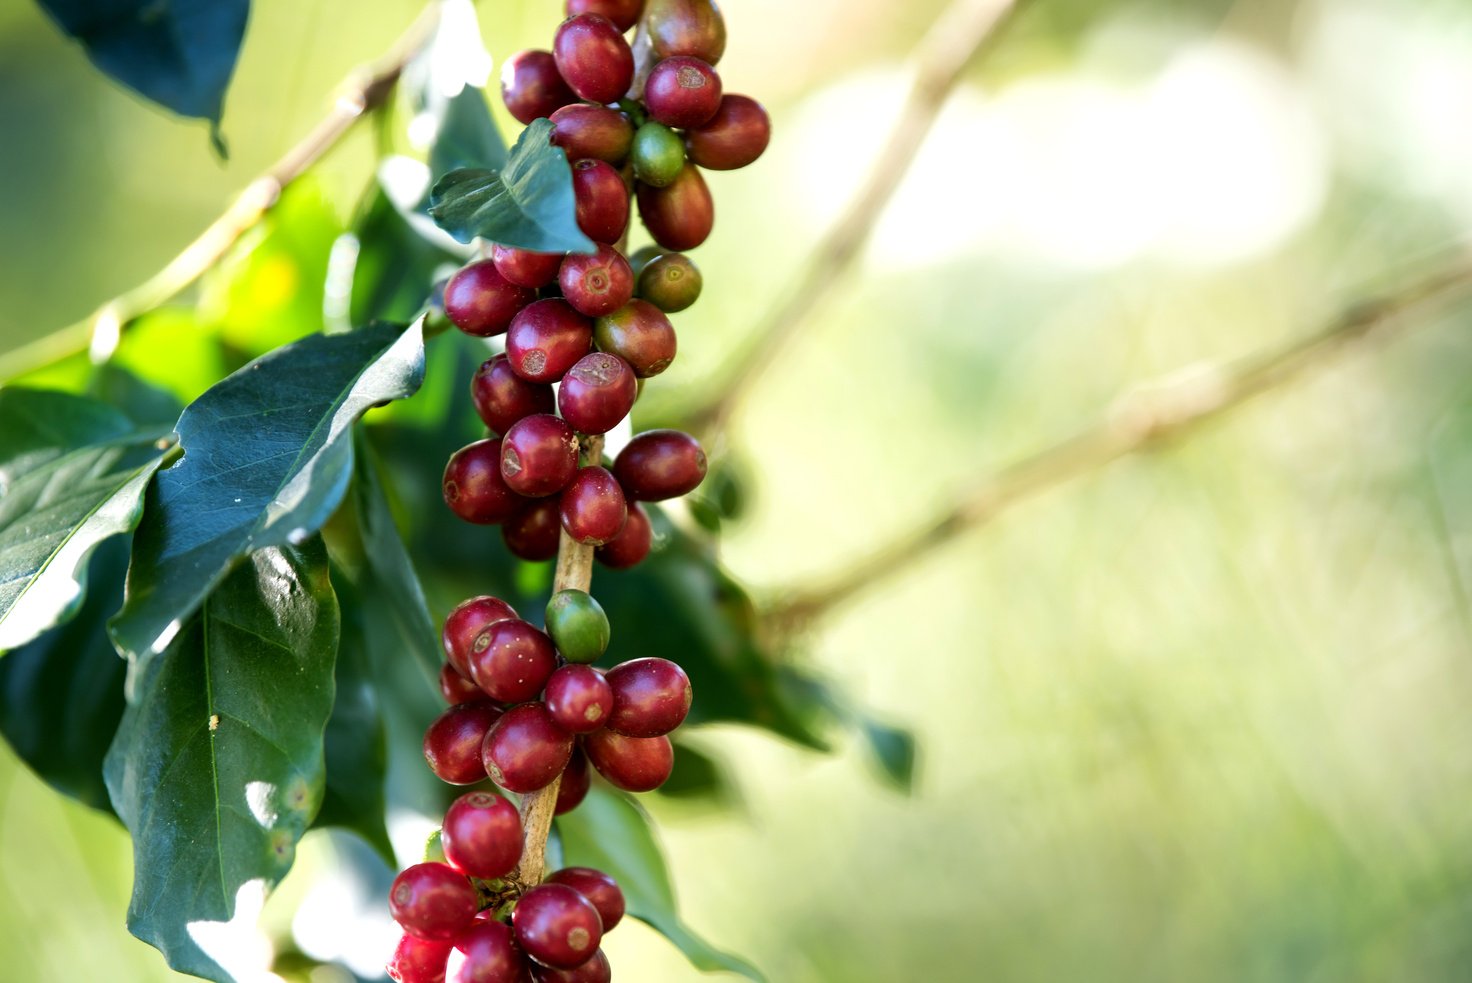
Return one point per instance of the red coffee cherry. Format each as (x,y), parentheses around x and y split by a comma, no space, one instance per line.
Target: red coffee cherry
(623,13)
(650,697)
(602,205)
(592,506)
(686,27)
(594,58)
(660,464)
(596,284)
(734,137)
(531,86)
(502,397)
(557,926)
(473,487)
(601,890)
(480,301)
(465,624)
(452,744)
(597,393)
(640,334)
(533,533)
(524,267)
(595,970)
(578,698)
(634,764)
(546,339)
(433,902)
(575,783)
(418,961)
(682,92)
(482,835)
(526,749)
(514,663)
(595,132)
(539,455)
(631,545)
(487,952)
(456,689)
(681,215)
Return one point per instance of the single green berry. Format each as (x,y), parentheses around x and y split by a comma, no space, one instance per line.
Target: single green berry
(670,282)
(577,625)
(658,154)
(434,850)
(642,257)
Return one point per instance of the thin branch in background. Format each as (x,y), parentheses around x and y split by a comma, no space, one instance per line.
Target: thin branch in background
(367,89)
(955,39)
(1137,421)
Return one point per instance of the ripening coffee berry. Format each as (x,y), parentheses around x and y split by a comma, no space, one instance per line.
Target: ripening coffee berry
(575,783)
(515,662)
(634,764)
(434,902)
(679,216)
(602,206)
(593,132)
(578,698)
(595,970)
(464,625)
(597,393)
(557,926)
(456,689)
(686,27)
(524,267)
(482,835)
(594,58)
(487,952)
(473,487)
(623,13)
(452,744)
(480,301)
(539,455)
(657,153)
(642,257)
(592,506)
(418,961)
(546,339)
(533,533)
(660,464)
(640,334)
(631,545)
(601,890)
(502,397)
(526,750)
(597,284)
(682,92)
(734,137)
(670,282)
(578,625)
(650,697)
(531,86)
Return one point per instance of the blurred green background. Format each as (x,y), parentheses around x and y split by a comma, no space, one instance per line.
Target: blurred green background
(1203,715)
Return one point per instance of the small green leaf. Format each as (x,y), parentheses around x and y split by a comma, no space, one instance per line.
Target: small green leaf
(217,768)
(528,204)
(467,135)
(609,832)
(894,751)
(266,460)
(72,473)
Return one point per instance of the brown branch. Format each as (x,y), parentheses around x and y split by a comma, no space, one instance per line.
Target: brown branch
(953,41)
(366,89)
(1139,420)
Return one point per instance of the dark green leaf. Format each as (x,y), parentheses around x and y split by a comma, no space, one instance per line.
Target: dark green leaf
(144,403)
(396,263)
(217,768)
(180,54)
(697,777)
(467,135)
(893,750)
(528,204)
(72,473)
(267,458)
(612,834)
(61,695)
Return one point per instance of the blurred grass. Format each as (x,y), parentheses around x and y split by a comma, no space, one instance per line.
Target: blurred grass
(1200,716)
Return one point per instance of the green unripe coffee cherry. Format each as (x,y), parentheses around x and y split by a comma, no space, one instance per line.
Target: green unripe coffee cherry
(578,626)
(658,154)
(642,257)
(670,282)
(434,849)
